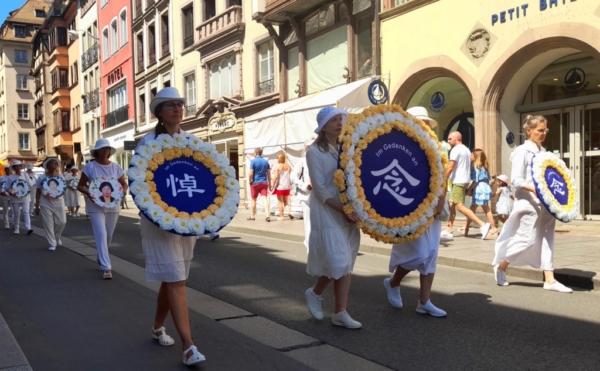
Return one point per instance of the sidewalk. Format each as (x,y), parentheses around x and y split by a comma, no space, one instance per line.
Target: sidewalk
(577,248)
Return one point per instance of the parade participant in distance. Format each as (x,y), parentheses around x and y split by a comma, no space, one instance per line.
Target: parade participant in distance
(52,209)
(103,219)
(71,194)
(32,180)
(334,237)
(20,205)
(168,255)
(419,254)
(5,197)
(527,238)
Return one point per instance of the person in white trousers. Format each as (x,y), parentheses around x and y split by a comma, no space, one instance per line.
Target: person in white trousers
(5,197)
(32,179)
(334,237)
(52,209)
(20,205)
(72,194)
(104,220)
(419,254)
(527,237)
(167,255)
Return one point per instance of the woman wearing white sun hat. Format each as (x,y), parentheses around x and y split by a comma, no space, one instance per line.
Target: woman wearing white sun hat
(104,220)
(168,256)
(334,237)
(52,210)
(20,205)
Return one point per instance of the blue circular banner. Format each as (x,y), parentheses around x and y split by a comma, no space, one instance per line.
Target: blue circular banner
(395,174)
(185,184)
(557,185)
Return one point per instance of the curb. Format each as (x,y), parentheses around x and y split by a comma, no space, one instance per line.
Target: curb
(570,277)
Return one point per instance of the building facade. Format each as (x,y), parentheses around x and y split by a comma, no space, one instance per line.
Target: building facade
(117,97)
(17,90)
(89,75)
(501,61)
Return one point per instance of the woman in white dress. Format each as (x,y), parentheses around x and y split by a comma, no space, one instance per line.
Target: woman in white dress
(527,237)
(20,205)
(72,194)
(334,237)
(52,209)
(419,254)
(168,256)
(103,219)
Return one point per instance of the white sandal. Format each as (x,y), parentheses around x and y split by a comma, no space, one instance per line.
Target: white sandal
(160,335)
(195,358)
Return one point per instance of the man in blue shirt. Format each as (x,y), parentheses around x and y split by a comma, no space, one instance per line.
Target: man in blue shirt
(260,178)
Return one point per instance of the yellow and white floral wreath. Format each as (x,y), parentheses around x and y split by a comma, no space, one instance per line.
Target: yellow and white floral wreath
(357,134)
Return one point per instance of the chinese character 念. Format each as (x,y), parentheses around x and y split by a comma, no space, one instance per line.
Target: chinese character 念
(557,187)
(392,182)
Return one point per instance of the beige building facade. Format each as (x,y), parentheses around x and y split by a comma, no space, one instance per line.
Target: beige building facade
(17,89)
(480,67)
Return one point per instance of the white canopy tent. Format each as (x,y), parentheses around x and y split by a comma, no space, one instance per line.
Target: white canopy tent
(287,126)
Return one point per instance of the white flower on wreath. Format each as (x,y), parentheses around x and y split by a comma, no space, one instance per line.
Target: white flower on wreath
(229,171)
(166,221)
(154,212)
(143,200)
(222,161)
(166,141)
(194,143)
(181,226)
(136,174)
(212,223)
(223,215)
(139,186)
(181,140)
(144,151)
(232,184)
(154,145)
(139,161)
(196,227)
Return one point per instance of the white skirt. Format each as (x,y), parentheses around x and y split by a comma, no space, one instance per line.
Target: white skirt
(419,254)
(168,256)
(71,198)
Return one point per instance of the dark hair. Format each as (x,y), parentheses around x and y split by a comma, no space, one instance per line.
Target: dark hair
(53,180)
(160,127)
(104,184)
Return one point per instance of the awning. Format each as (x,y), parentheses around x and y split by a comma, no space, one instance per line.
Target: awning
(289,124)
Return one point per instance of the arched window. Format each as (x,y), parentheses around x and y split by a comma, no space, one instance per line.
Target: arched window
(123,27)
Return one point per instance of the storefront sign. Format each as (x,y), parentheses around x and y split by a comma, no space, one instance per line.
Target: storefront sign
(521,11)
(221,122)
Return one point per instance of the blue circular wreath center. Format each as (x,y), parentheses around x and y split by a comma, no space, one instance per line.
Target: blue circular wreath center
(557,185)
(395,174)
(185,184)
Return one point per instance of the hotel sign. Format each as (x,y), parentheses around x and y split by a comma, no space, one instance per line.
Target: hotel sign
(221,122)
(522,10)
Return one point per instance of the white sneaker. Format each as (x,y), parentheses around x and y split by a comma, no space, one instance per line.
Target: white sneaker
(430,309)
(485,230)
(343,319)
(314,303)
(16,231)
(500,276)
(446,236)
(51,248)
(59,243)
(557,286)
(393,294)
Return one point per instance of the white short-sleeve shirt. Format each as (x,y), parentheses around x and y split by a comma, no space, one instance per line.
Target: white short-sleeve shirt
(462,172)
(47,201)
(95,170)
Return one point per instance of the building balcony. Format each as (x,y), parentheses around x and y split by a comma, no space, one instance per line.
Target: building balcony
(265,87)
(221,26)
(91,101)
(116,117)
(89,57)
(280,11)
(190,110)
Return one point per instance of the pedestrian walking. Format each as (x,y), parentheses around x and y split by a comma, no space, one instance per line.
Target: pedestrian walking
(459,173)
(481,189)
(72,194)
(167,255)
(504,198)
(334,237)
(52,209)
(5,199)
(527,238)
(260,179)
(103,219)
(20,205)
(419,254)
(282,185)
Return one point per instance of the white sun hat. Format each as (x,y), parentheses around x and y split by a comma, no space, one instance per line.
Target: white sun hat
(326,114)
(503,178)
(47,161)
(421,113)
(103,143)
(165,95)
(14,163)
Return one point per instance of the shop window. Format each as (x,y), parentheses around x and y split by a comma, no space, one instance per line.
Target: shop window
(266,75)
(576,75)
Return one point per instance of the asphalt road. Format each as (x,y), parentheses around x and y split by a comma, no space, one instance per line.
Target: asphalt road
(488,327)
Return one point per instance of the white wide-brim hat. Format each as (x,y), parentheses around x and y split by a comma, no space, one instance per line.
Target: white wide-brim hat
(103,143)
(503,178)
(47,161)
(14,163)
(165,95)
(422,114)
(326,114)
